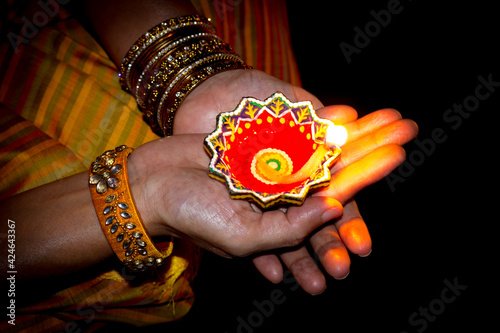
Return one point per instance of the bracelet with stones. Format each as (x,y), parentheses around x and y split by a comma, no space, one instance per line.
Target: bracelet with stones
(115,207)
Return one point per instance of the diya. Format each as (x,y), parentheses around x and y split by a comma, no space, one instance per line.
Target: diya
(273,152)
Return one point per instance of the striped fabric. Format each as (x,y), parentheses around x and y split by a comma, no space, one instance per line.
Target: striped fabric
(64,84)
(61,105)
(30,157)
(258,31)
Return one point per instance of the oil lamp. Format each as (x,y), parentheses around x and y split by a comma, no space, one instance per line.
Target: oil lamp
(273,152)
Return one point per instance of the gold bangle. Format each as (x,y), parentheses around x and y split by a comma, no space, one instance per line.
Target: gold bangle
(169,61)
(172,63)
(163,48)
(115,207)
(142,53)
(199,72)
(152,69)
(153,35)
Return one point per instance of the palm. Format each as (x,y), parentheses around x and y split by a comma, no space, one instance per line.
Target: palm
(372,151)
(198,208)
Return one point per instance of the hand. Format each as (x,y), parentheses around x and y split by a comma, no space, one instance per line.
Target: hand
(197,115)
(371,152)
(176,197)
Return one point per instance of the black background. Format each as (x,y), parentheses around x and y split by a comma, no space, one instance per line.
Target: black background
(439,224)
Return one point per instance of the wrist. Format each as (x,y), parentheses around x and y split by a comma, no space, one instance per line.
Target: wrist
(192,115)
(138,178)
(117,211)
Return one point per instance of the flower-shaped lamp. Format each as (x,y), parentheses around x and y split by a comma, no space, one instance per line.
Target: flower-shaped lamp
(272,152)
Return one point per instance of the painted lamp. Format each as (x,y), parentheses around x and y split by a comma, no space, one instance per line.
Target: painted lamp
(273,152)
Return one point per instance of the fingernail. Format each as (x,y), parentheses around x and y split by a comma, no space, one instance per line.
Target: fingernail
(331,214)
(341,278)
(365,255)
(322,291)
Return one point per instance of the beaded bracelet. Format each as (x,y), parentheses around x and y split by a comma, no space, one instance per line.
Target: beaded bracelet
(169,61)
(115,207)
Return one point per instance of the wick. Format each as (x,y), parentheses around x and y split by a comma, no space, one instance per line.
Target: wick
(307,169)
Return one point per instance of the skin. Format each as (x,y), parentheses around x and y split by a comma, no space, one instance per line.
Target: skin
(379,135)
(175,197)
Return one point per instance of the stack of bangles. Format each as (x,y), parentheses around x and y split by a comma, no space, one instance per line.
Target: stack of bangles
(169,61)
(160,70)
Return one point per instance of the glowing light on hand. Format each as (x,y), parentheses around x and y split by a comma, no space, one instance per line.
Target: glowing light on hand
(336,135)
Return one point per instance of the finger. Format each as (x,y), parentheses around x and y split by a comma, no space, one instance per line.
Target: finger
(371,122)
(305,271)
(398,132)
(269,266)
(338,114)
(331,251)
(277,229)
(371,168)
(353,231)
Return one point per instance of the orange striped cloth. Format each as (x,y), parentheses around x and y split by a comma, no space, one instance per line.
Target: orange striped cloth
(61,105)
(259,32)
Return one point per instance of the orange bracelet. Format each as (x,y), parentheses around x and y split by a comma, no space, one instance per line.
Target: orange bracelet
(115,207)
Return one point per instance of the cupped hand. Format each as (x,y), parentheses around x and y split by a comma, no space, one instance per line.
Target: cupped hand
(176,197)
(373,150)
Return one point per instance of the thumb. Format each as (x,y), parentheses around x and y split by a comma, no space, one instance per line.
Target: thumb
(314,212)
(282,230)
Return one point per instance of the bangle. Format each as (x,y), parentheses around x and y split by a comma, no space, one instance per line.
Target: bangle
(164,29)
(153,78)
(115,207)
(190,79)
(152,71)
(169,61)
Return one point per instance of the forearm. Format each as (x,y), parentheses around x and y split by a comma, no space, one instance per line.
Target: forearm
(117,24)
(56,227)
